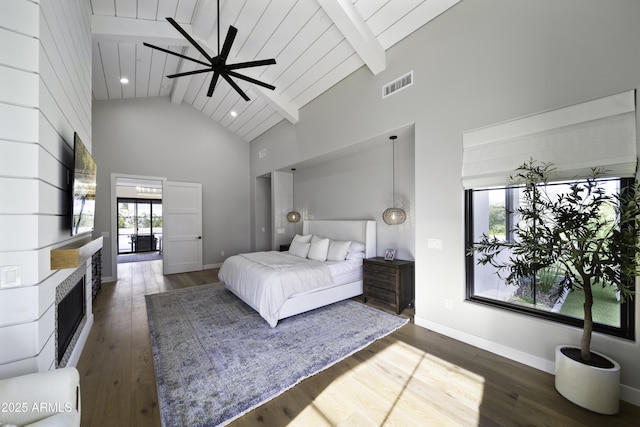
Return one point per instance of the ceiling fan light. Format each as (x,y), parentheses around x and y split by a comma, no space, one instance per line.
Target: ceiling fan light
(293,216)
(394,216)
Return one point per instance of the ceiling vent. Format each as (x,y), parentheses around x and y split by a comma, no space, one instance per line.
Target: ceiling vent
(398,84)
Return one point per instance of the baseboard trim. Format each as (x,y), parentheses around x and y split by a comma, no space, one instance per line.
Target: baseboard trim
(628,394)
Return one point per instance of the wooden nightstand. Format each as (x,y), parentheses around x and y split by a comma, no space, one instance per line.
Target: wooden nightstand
(389,282)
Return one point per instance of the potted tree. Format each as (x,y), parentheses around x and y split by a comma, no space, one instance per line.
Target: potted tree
(592,237)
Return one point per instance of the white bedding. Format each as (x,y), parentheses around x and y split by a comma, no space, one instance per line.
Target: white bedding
(279,284)
(265,280)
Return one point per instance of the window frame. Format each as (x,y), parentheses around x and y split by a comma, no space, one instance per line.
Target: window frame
(626,329)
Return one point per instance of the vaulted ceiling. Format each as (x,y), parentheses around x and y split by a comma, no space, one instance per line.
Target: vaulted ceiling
(316,43)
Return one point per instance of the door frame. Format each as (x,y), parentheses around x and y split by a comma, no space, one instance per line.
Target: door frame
(114,214)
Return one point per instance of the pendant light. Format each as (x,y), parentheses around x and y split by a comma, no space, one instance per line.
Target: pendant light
(393,215)
(294,215)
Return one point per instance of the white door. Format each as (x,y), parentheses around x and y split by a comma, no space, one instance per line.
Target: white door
(182,227)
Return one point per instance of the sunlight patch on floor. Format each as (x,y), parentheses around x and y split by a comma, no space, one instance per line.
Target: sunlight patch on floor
(391,380)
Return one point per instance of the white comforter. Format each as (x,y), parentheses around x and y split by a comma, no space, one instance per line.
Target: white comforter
(265,280)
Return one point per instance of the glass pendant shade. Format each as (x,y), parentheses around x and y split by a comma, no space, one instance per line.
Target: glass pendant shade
(394,216)
(293,216)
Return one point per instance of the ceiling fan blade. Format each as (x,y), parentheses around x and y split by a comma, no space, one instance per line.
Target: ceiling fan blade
(189,38)
(250,64)
(213,83)
(235,86)
(228,41)
(189,73)
(251,80)
(176,54)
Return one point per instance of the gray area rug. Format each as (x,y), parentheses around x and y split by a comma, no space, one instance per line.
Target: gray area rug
(215,358)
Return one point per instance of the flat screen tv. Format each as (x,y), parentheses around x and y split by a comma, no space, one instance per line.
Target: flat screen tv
(84,189)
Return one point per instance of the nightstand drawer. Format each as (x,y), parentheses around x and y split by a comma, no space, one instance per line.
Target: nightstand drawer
(381,281)
(380,268)
(382,295)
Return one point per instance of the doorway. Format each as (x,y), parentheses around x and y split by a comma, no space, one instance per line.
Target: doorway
(139,220)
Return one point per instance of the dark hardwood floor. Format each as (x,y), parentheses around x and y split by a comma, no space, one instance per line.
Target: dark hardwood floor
(413,377)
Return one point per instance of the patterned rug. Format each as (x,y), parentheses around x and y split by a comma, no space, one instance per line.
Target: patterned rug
(215,358)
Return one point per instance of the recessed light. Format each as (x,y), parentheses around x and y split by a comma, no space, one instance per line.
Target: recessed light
(124,80)
(234,114)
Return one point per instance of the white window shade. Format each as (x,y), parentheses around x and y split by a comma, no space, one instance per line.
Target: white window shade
(598,133)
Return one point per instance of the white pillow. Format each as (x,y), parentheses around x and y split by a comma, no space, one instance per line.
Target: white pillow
(302,239)
(315,238)
(356,247)
(318,250)
(338,250)
(355,255)
(299,249)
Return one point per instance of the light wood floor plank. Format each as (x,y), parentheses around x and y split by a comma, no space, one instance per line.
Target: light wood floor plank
(412,377)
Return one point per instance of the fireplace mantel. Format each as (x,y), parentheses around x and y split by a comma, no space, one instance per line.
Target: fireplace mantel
(75,254)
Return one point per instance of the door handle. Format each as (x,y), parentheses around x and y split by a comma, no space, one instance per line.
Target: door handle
(199,237)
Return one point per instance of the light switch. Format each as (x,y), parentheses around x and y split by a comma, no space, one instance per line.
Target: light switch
(10,276)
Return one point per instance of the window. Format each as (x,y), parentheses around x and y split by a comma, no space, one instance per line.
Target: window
(493,212)
(139,225)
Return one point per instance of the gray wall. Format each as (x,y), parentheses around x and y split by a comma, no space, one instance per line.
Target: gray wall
(153,137)
(360,186)
(479,63)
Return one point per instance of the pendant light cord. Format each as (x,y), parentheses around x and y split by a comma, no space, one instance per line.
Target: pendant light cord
(393,180)
(393,168)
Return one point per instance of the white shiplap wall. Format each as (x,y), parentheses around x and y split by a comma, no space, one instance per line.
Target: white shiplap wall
(45,95)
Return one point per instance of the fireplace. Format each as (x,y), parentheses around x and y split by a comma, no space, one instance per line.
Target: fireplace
(71,314)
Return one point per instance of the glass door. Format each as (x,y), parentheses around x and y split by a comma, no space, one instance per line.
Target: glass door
(139,225)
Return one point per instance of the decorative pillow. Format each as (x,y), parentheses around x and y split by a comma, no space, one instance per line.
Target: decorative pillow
(318,250)
(315,238)
(299,249)
(338,250)
(302,239)
(355,255)
(356,247)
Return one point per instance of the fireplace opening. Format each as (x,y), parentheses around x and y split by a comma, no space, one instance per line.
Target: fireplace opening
(71,310)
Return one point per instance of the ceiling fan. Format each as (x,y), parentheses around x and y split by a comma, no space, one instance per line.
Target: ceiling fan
(218,64)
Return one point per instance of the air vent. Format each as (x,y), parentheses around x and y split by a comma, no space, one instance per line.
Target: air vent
(398,84)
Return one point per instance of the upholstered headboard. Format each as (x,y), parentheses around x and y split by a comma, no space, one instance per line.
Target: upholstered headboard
(355,230)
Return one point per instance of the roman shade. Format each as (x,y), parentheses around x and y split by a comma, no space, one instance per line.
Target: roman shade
(597,133)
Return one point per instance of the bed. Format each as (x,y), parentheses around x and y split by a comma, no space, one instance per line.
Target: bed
(282,284)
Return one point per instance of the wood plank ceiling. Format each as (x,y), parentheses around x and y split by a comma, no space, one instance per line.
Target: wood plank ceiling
(316,43)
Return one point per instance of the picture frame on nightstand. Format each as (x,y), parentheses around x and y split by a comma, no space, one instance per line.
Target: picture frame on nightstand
(389,254)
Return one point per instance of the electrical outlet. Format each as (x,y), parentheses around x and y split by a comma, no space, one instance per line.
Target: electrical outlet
(221,253)
(448,304)
(262,153)
(434,244)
